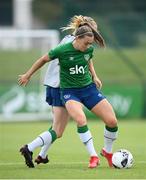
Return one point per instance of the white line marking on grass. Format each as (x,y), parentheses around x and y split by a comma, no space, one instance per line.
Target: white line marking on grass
(57,163)
(141,162)
(10,163)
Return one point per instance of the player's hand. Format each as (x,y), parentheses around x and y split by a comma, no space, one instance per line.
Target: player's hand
(97,82)
(23,80)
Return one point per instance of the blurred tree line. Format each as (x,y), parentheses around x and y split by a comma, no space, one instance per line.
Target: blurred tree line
(121,22)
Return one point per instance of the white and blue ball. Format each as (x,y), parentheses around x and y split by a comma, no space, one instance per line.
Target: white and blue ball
(122,159)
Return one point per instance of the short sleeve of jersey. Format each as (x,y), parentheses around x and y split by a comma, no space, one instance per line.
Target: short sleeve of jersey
(54,53)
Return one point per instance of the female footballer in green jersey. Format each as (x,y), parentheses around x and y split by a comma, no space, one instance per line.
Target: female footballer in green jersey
(78,88)
(53,98)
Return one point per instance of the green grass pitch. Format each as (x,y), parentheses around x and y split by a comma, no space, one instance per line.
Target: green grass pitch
(68,156)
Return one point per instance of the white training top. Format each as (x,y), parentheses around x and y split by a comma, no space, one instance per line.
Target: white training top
(52,77)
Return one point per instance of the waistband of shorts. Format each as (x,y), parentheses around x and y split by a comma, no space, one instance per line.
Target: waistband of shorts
(50,87)
(85,87)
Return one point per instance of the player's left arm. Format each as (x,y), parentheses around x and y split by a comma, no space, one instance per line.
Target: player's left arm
(95,78)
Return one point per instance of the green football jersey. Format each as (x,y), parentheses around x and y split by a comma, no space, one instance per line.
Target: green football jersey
(74,65)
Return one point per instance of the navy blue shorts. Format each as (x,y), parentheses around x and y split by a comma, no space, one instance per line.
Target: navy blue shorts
(53,96)
(89,95)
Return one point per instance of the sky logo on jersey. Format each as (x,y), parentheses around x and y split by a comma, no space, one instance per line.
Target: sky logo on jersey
(77,70)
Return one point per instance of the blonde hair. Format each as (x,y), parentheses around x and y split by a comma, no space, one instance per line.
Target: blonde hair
(77,21)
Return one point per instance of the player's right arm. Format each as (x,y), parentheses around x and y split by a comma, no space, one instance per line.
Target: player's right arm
(53,54)
(24,78)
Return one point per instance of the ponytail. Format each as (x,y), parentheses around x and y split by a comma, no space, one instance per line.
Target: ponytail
(78,21)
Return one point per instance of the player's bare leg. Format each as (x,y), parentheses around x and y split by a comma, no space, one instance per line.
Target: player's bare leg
(60,121)
(75,110)
(105,111)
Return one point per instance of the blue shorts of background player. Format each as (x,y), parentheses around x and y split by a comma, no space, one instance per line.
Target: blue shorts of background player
(89,96)
(53,96)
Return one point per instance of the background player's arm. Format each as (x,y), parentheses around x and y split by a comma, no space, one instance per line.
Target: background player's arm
(24,78)
(94,76)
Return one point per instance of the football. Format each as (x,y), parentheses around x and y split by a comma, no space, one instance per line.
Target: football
(122,159)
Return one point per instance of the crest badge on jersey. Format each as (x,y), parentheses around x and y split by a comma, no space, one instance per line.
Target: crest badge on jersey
(87,57)
(71,58)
